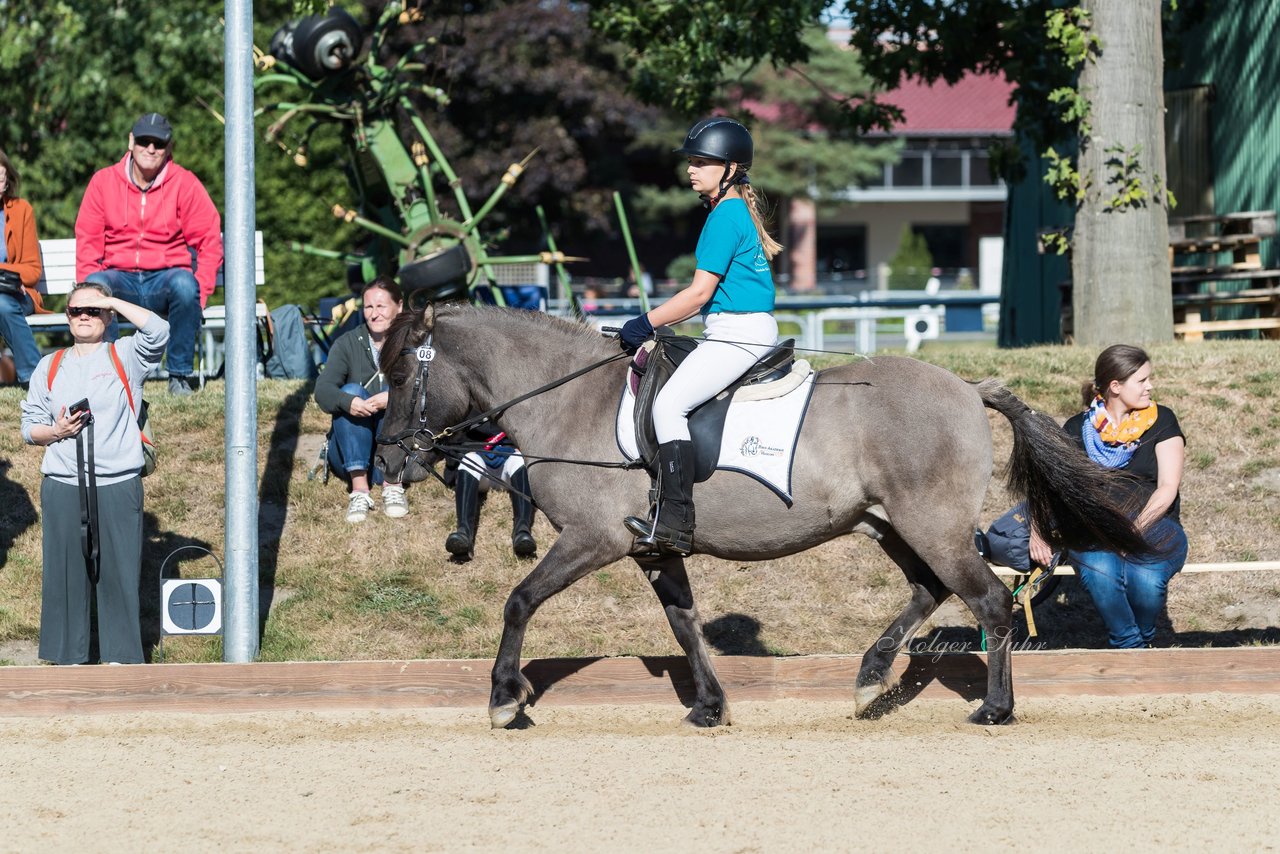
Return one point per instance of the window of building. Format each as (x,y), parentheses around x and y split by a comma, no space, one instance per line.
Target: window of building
(909,171)
(947,169)
(947,243)
(980,170)
(842,250)
(946,162)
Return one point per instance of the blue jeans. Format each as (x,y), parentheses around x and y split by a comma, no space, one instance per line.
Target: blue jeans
(1130,592)
(352,440)
(14,329)
(173,294)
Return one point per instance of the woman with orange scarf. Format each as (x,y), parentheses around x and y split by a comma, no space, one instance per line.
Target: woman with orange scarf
(1123,428)
(20,269)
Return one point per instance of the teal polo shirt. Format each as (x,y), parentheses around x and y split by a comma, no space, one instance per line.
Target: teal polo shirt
(730,248)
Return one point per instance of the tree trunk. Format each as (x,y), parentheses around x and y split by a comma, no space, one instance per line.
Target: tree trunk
(1120,256)
(802,243)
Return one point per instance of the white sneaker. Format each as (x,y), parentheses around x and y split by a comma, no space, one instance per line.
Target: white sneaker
(360,506)
(394,504)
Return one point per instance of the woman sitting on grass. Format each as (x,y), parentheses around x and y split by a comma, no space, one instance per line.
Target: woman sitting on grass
(353,391)
(1123,428)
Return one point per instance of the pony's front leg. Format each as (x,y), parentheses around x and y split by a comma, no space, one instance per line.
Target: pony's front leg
(671,583)
(569,559)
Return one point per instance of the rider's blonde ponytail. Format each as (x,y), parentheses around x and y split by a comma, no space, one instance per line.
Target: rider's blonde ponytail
(755,206)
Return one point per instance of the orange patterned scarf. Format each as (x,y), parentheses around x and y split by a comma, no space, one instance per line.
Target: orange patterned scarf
(1130,428)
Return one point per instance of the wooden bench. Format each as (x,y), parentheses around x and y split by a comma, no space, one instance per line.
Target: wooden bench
(59,277)
(1241,234)
(1194,313)
(1200,290)
(1258,223)
(1183,277)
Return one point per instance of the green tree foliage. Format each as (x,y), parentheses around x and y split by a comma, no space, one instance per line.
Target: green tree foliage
(805,145)
(910,267)
(930,40)
(679,51)
(810,148)
(533,75)
(77,76)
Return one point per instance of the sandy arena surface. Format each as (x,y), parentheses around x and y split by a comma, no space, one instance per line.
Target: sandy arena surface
(1147,773)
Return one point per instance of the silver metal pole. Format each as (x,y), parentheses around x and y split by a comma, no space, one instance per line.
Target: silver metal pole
(240,636)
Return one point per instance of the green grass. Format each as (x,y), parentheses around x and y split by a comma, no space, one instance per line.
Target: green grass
(386,589)
(395,594)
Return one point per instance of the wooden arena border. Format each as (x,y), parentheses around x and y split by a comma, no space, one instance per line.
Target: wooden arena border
(217,688)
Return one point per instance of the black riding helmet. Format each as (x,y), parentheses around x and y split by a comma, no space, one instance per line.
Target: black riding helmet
(720,138)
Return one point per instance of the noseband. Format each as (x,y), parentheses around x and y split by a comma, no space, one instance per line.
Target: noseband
(418,438)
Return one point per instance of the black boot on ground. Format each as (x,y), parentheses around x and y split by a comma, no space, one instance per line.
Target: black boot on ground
(522,541)
(672,531)
(466,495)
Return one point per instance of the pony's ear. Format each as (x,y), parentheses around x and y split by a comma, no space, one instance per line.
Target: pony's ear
(429,317)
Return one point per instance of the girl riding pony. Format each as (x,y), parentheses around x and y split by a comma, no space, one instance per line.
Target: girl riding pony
(733,290)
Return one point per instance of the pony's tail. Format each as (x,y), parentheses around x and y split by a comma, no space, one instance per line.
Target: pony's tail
(1069,496)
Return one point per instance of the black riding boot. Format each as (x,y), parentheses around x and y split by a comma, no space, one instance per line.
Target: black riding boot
(522,541)
(672,531)
(466,494)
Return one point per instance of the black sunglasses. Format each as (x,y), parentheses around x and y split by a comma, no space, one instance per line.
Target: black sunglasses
(148,142)
(83,311)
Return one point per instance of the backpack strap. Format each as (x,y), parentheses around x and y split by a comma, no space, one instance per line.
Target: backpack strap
(124,379)
(53,366)
(115,360)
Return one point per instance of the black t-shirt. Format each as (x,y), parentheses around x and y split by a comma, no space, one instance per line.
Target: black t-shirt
(1143,465)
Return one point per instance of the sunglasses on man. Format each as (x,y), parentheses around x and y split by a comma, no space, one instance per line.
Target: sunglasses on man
(149,142)
(84,311)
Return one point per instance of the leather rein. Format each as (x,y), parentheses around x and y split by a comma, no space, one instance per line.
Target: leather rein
(419,439)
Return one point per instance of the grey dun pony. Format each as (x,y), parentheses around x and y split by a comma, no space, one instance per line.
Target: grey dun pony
(893,448)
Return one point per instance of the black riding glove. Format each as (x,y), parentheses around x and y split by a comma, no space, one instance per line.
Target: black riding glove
(635,332)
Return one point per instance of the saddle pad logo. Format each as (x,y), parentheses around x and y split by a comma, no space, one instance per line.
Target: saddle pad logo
(759,436)
(753,447)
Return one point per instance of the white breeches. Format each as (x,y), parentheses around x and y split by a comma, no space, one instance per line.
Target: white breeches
(734,342)
(473,465)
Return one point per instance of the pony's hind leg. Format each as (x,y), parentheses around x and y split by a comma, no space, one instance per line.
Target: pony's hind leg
(993,606)
(671,584)
(569,559)
(876,677)
(958,565)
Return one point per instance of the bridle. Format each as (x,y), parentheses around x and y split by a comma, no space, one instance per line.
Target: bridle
(419,439)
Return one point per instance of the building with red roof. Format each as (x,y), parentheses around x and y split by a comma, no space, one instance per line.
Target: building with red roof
(941,187)
(977,105)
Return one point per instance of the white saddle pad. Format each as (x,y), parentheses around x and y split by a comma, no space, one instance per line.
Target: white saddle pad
(759,438)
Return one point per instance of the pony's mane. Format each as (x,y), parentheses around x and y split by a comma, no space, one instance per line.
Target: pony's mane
(408,328)
(576,332)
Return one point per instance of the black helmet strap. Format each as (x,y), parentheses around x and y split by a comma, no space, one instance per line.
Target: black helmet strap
(725,184)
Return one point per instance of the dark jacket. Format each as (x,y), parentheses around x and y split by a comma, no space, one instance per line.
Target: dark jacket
(350,361)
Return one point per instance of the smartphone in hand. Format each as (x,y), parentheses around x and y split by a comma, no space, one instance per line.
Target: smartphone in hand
(81,405)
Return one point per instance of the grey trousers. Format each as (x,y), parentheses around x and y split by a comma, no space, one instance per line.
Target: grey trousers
(66,593)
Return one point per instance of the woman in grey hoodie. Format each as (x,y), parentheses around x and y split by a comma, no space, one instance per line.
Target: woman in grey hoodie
(92,371)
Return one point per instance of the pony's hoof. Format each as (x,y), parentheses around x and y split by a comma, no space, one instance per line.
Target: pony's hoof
(501,717)
(866,695)
(991,716)
(706,717)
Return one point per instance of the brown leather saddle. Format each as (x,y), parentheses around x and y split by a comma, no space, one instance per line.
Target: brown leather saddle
(706,423)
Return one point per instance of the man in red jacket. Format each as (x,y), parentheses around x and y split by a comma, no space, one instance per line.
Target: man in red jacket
(138,224)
